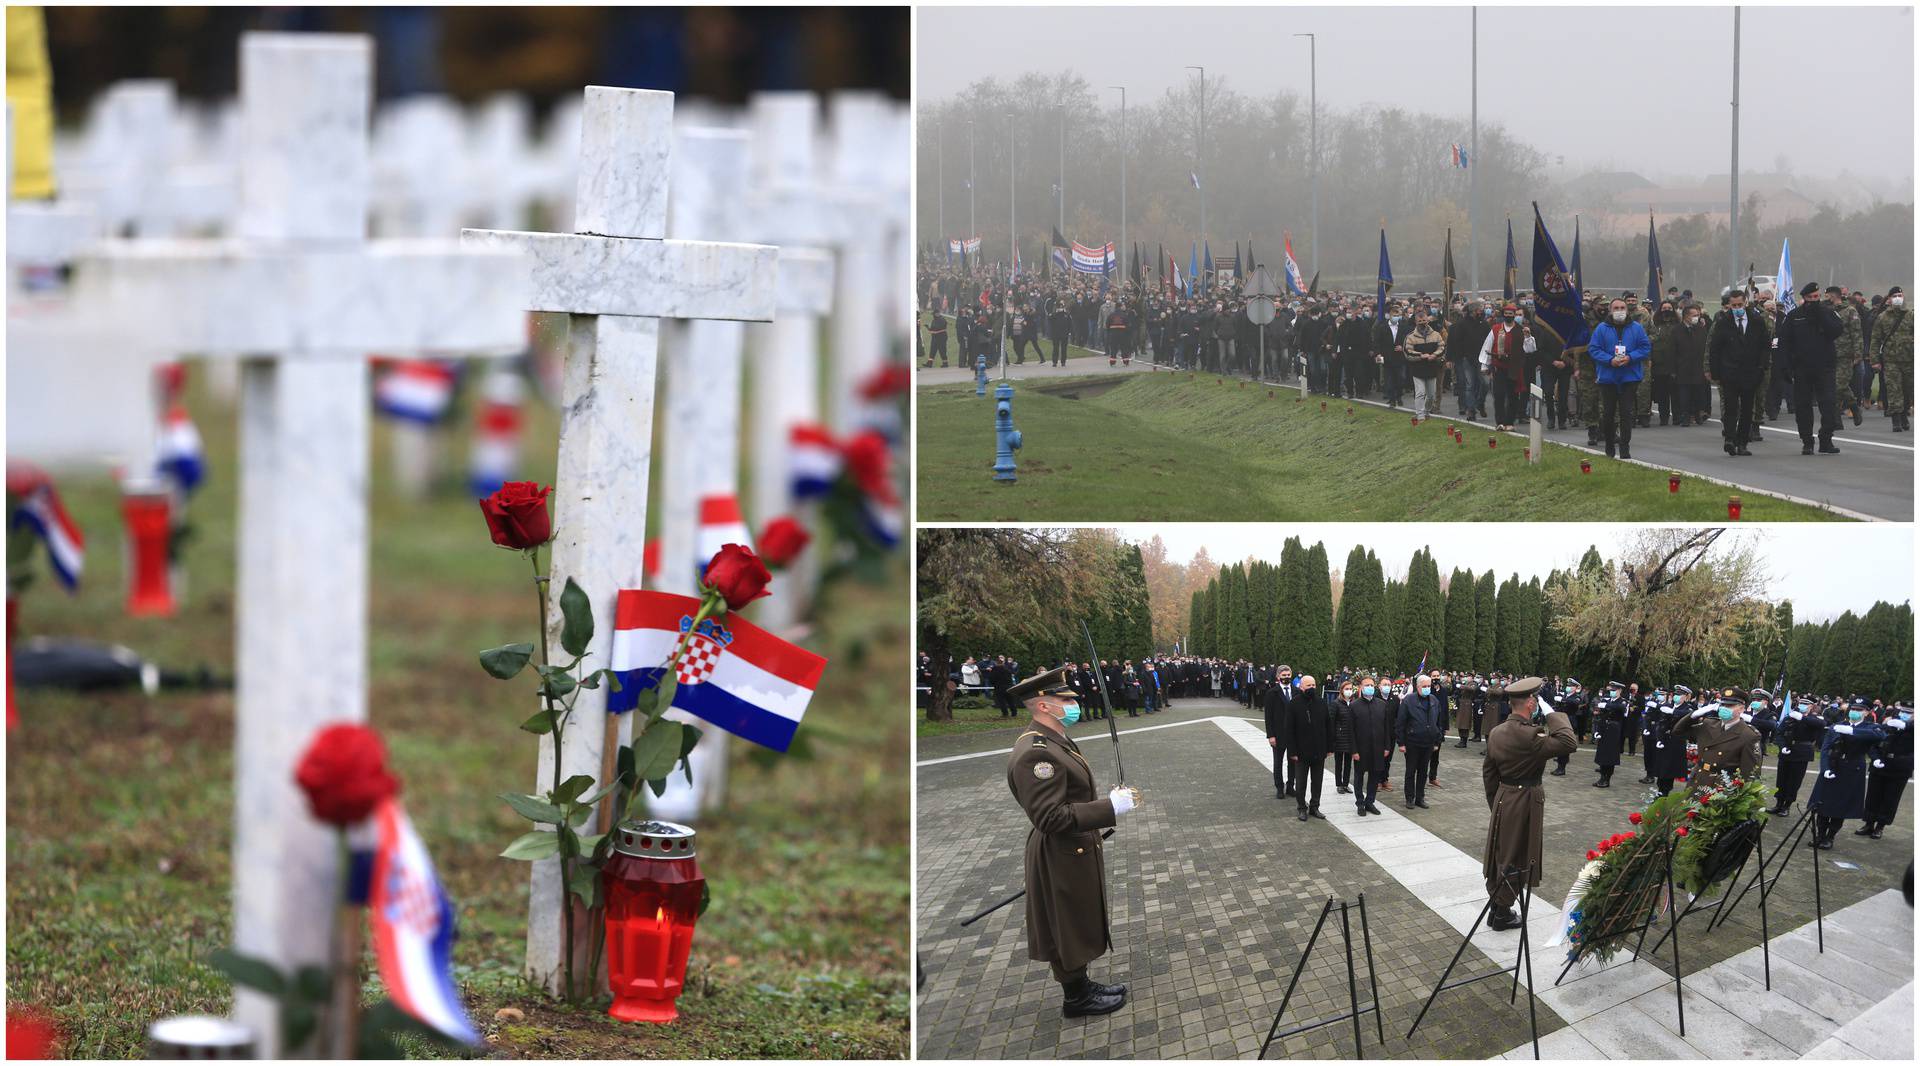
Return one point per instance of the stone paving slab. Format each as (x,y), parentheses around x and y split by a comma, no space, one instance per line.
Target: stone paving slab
(1883,1032)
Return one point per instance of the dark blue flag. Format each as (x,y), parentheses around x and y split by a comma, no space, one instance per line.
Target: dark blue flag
(1556,301)
(1385,280)
(1656,277)
(1513,265)
(1579,284)
(1206,280)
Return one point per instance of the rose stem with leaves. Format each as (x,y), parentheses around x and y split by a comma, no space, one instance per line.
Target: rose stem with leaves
(346,963)
(540,584)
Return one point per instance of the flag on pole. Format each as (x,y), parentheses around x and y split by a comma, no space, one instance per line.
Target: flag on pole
(1656,277)
(1193,266)
(1459,156)
(1783,288)
(1513,266)
(1422,668)
(1313,287)
(733,674)
(1557,302)
(1579,279)
(1206,263)
(413,926)
(1384,283)
(1447,277)
(1195,175)
(1293,268)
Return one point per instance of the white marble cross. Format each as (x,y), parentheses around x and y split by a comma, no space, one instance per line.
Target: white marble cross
(301,296)
(866,153)
(617,275)
(791,209)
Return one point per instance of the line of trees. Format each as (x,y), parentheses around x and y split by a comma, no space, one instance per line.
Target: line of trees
(1374,162)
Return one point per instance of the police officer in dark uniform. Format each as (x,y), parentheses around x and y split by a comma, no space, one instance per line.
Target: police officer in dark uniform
(1609,731)
(1573,704)
(1888,771)
(1065,871)
(1799,731)
(937,332)
(1666,753)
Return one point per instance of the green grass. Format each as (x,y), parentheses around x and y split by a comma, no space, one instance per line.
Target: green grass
(1173,447)
(971,714)
(119,807)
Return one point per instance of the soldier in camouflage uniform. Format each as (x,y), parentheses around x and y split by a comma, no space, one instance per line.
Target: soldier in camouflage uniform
(1847,354)
(1642,396)
(1584,380)
(1767,308)
(1893,346)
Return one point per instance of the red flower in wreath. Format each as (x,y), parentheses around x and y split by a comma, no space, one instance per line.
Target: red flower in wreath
(1692,814)
(1737,782)
(1592,854)
(1634,817)
(1680,832)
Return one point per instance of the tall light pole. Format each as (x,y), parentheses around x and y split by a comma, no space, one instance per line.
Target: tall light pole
(1733,175)
(1061,192)
(973,226)
(1473,160)
(1013,234)
(940,164)
(1313,109)
(1200,155)
(1121,252)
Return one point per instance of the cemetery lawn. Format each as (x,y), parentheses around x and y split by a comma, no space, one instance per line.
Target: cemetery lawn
(1172,447)
(120,810)
(971,714)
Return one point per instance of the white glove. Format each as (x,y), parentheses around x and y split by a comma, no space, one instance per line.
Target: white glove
(1702,712)
(1846,729)
(1879,764)
(1896,723)
(1122,799)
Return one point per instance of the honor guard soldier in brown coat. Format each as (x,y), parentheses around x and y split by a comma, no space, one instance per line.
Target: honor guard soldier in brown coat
(1518,749)
(1725,743)
(1065,872)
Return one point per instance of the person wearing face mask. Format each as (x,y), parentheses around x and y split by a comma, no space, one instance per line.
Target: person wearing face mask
(1373,715)
(1573,703)
(1340,735)
(1609,732)
(1839,793)
(1389,345)
(1799,732)
(1618,348)
(1807,338)
(1888,770)
(1660,363)
(1851,374)
(1065,871)
(1686,346)
(1278,713)
(1517,751)
(1725,742)
(1666,753)
(1504,357)
(1893,348)
(1736,352)
(1425,353)
(1465,334)
(1463,716)
(1420,726)
(1308,741)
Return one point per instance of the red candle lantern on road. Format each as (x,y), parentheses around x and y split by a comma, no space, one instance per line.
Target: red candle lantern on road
(1586,466)
(1673,482)
(653,887)
(1733,508)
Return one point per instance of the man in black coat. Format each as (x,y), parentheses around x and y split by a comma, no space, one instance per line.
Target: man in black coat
(1373,716)
(1309,737)
(1737,354)
(1279,714)
(1421,726)
(1798,733)
(1310,339)
(1807,336)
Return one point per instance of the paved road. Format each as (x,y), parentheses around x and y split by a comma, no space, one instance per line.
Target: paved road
(1872,477)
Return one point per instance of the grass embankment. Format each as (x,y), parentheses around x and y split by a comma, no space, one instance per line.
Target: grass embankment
(120,807)
(1178,447)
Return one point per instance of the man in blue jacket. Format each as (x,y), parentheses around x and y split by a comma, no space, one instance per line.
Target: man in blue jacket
(1421,726)
(1619,347)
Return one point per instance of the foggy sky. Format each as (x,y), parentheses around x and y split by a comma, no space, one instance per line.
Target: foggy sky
(1829,88)
(1824,570)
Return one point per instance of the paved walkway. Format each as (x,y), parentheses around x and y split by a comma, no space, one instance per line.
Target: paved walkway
(1422,882)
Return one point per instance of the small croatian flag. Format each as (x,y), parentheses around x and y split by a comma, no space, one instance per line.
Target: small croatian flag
(720,525)
(884,519)
(495,453)
(42,512)
(181,459)
(413,926)
(416,390)
(734,674)
(814,460)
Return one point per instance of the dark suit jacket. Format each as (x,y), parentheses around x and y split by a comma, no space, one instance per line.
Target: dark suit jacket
(1737,358)
(1279,712)
(1309,735)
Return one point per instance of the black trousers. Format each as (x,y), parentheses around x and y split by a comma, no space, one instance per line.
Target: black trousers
(1786,781)
(1060,347)
(1281,780)
(1810,388)
(1307,776)
(1001,702)
(939,348)
(1366,782)
(1884,789)
(1342,769)
(1824,826)
(1067,977)
(1433,762)
(1736,413)
(1416,773)
(1616,412)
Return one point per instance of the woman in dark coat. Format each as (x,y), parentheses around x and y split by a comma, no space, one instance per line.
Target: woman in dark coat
(1372,742)
(1841,791)
(1887,779)
(1340,735)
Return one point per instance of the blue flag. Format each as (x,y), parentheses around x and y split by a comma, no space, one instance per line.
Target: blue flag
(1783,284)
(1579,285)
(1193,266)
(1656,277)
(1513,265)
(1556,301)
(1385,281)
(1207,258)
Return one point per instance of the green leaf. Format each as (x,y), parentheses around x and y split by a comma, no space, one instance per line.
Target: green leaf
(572,788)
(590,844)
(658,785)
(657,749)
(591,680)
(533,846)
(558,682)
(706,897)
(576,627)
(313,983)
(689,736)
(506,660)
(613,681)
(248,972)
(600,793)
(585,885)
(298,1020)
(533,808)
(646,702)
(540,724)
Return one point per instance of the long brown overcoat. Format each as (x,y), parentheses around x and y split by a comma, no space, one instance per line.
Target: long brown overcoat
(1517,750)
(1065,871)
(1732,746)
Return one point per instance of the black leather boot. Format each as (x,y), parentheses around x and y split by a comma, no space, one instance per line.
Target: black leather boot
(1084,998)
(1502,918)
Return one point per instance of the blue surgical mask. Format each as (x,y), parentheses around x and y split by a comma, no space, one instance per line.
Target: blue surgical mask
(1423,690)
(1855,716)
(1366,690)
(1071,714)
(1806,708)
(1726,713)
(1756,705)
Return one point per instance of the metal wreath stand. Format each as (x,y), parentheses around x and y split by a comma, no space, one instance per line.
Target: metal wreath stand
(1510,876)
(1643,892)
(1355,1010)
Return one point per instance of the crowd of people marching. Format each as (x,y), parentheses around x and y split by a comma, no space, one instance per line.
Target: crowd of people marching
(1837,354)
(1354,721)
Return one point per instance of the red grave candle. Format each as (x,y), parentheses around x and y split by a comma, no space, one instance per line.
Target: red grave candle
(653,887)
(149,519)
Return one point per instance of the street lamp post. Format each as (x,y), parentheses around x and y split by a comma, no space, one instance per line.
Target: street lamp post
(1473,160)
(1200,155)
(1313,108)
(940,164)
(1121,252)
(973,226)
(1733,173)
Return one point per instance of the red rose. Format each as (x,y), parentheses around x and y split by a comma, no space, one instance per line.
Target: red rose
(1692,814)
(1682,831)
(517,515)
(344,774)
(782,541)
(871,462)
(737,574)
(1634,817)
(1591,854)
(1736,782)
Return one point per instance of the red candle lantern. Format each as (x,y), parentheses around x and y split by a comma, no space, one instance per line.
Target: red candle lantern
(1414,420)
(1323,405)
(1586,466)
(1733,508)
(1527,453)
(1349,410)
(1673,482)
(653,887)
(1491,444)
(149,518)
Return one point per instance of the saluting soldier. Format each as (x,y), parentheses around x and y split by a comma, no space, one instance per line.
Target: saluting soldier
(1887,779)
(1609,731)
(1666,752)
(1725,743)
(1518,749)
(1801,727)
(1065,873)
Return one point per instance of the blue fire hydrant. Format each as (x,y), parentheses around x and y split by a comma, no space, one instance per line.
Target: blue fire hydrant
(979,375)
(1005,436)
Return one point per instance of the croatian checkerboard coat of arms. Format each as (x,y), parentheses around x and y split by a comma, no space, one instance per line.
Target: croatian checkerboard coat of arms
(705,645)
